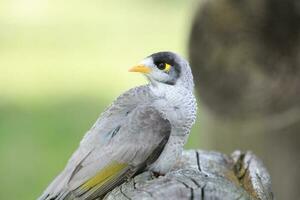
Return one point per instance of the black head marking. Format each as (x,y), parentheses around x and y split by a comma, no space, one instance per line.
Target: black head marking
(176,70)
(170,58)
(167,57)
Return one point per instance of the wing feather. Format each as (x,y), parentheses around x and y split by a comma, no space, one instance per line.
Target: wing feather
(137,133)
(137,144)
(104,175)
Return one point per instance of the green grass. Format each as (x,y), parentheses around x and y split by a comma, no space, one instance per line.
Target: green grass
(61,63)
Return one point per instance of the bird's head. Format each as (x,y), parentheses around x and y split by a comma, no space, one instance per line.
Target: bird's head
(166,68)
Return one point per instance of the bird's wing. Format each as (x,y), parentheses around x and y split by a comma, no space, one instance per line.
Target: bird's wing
(106,126)
(130,144)
(113,117)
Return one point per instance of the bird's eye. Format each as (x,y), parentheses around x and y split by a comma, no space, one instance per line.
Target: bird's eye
(161,66)
(164,66)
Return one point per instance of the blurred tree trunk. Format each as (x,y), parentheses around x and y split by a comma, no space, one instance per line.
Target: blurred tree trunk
(245,57)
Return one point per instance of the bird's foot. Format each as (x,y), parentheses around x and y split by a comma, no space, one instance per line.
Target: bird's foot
(156,174)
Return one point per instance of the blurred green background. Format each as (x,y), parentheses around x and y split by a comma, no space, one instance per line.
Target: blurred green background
(61,64)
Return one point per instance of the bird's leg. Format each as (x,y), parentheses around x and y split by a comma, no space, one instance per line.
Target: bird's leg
(156,174)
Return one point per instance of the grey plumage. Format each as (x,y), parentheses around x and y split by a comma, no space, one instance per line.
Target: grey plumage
(144,128)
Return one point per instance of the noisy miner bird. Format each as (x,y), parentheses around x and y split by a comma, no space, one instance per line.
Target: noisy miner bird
(143,129)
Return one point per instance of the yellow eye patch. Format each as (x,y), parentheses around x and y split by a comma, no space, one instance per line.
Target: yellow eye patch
(164,66)
(167,67)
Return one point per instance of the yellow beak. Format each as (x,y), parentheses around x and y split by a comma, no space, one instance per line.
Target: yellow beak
(140,68)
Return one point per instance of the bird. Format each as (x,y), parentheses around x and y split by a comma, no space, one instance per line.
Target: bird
(145,128)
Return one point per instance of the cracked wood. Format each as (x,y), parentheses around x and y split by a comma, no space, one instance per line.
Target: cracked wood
(202,175)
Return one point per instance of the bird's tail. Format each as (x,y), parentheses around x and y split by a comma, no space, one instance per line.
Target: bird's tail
(57,190)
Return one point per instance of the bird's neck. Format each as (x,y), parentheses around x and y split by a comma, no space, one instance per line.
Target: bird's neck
(162,90)
(172,98)
(172,93)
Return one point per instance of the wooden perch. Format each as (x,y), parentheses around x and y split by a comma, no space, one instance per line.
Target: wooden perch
(202,175)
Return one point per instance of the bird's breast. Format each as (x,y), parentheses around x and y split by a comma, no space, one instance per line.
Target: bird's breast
(180,111)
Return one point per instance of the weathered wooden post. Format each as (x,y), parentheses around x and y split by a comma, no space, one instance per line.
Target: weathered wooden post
(202,175)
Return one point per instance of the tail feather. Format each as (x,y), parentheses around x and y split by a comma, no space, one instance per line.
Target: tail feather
(57,189)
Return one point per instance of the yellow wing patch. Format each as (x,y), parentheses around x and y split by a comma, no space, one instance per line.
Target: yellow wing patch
(104,175)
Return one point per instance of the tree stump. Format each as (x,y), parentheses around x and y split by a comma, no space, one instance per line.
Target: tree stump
(202,175)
